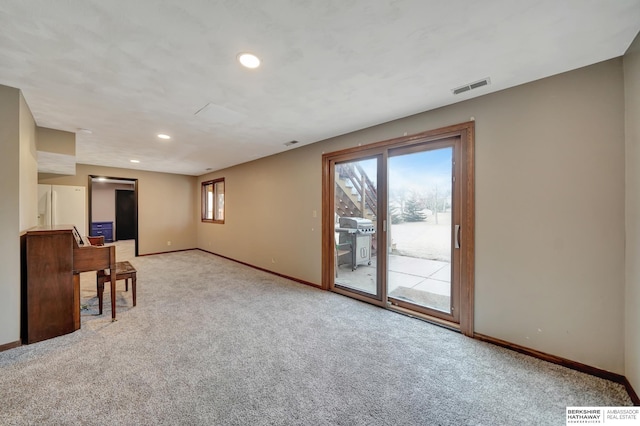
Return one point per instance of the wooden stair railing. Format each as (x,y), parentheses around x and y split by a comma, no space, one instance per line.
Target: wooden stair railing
(363,186)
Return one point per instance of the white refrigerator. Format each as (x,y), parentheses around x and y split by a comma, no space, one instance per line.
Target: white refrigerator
(63,205)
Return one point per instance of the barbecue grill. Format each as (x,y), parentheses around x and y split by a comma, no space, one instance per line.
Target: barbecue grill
(355,234)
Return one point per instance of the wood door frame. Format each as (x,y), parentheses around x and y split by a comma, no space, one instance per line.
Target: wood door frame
(134,181)
(466,133)
(381,215)
(455,144)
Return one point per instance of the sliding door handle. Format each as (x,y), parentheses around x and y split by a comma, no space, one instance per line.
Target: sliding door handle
(457,236)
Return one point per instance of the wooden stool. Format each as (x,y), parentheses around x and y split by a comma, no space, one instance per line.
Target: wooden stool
(124,271)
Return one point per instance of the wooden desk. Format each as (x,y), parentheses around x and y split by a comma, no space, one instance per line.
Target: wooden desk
(51,260)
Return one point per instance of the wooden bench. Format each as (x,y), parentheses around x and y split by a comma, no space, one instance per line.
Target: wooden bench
(124,271)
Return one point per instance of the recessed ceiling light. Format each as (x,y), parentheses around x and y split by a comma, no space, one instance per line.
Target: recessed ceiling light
(163,136)
(248,60)
(135,161)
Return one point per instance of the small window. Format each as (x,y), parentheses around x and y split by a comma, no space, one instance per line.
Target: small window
(213,201)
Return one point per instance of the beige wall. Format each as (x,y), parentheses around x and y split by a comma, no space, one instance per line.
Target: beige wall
(28,168)
(9,215)
(58,141)
(550,219)
(632,156)
(269,220)
(165,205)
(19,207)
(549,211)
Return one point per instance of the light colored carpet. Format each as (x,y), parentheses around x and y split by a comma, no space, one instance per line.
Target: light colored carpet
(212,342)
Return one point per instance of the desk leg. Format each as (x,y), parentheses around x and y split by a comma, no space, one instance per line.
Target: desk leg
(113,295)
(100,289)
(133,288)
(76,301)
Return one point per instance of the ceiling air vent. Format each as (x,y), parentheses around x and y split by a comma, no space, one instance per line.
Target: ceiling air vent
(290,143)
(471,86)
(461,90)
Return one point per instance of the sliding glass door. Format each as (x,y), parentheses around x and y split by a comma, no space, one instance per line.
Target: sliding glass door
(423,221)
(399,216)
(355,227)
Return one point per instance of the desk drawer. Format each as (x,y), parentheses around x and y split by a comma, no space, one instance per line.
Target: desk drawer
(102,228)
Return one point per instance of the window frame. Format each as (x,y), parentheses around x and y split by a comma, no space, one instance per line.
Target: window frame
(205,202)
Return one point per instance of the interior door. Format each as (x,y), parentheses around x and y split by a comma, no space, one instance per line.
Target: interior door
(125,214)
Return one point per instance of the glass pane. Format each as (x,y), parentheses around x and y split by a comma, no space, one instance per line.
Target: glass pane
(209,201)
(420,197)
(220,201)
(356,204)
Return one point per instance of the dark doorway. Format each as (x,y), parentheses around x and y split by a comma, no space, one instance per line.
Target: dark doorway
(102,206)
(125,214)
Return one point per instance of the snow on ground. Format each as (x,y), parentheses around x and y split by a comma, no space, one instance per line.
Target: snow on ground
(426,240)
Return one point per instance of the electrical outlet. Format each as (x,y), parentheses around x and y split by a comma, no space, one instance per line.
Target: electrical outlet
(168,243)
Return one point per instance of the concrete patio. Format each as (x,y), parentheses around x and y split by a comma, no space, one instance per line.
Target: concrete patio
(405,272)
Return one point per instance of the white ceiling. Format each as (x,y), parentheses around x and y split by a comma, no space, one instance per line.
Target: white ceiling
(130,69)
